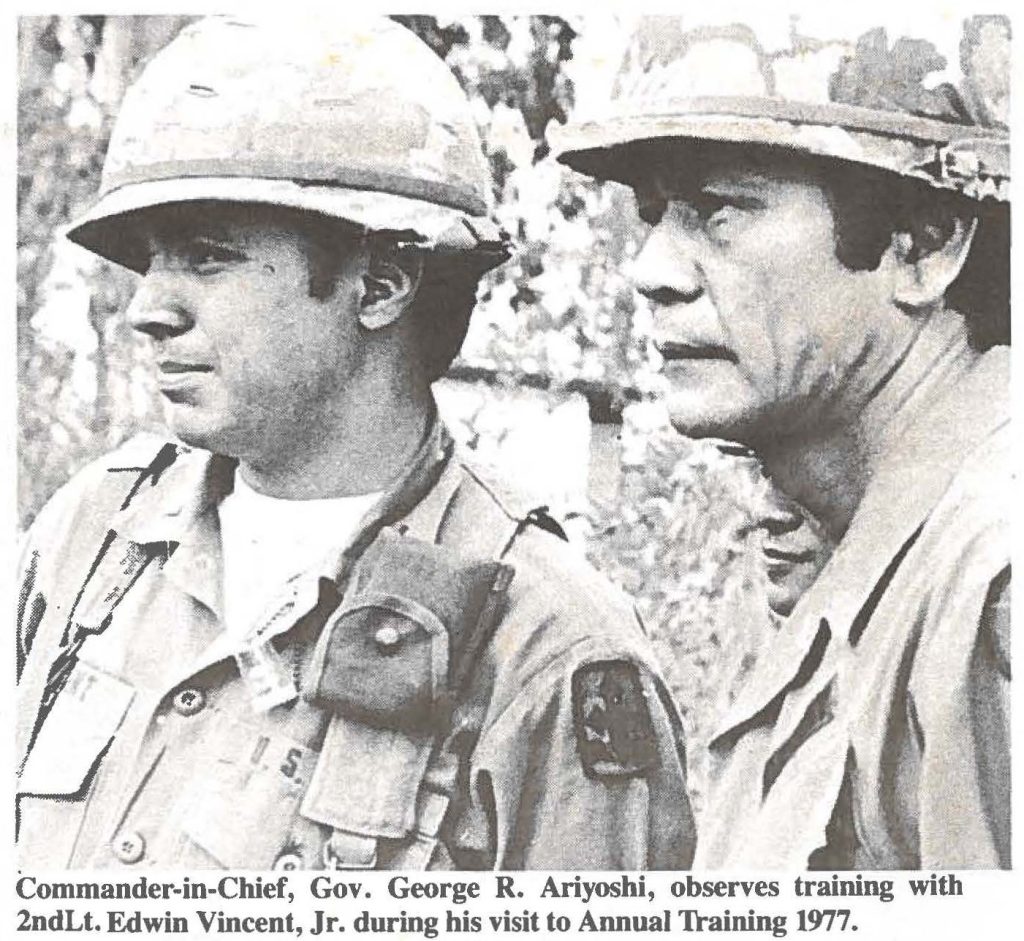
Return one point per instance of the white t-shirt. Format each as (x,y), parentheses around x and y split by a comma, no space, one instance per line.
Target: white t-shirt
(267,540)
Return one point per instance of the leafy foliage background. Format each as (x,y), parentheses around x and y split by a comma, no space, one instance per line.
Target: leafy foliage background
(678,532)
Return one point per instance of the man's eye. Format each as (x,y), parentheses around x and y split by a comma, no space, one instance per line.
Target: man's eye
(206,257)
(714,209)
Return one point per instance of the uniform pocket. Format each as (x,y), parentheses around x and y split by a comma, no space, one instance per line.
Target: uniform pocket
(240,806)
(76,733)
(57,777)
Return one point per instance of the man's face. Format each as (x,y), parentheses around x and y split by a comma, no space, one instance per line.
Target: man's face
(247,362)
(762,329)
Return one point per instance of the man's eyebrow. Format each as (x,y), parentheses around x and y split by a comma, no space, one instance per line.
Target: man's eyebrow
(226,240)
(751,183)
(690,187)
(210,239)
(745,191)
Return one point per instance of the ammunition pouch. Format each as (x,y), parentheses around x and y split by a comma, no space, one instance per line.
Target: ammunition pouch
(392,665)
(394,653)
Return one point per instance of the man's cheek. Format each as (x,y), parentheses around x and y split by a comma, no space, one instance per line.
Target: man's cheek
(756,335)
(793,355)
(252,379)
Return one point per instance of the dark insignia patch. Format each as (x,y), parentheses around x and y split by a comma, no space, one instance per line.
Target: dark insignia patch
(614,733)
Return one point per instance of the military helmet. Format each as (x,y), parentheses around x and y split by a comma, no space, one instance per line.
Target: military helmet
(860,99)
(354,119)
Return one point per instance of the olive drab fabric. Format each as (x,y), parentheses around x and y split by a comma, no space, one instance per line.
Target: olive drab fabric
(306,113)
(871,99)
(874,731)
(436,720)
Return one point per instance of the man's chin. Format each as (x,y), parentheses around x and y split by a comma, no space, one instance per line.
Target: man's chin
(208,435)
(761,428)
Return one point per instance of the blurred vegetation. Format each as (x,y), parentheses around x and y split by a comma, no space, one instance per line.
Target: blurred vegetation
(680,535)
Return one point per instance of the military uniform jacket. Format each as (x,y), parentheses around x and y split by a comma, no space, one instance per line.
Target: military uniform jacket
(874,732)
(471,694)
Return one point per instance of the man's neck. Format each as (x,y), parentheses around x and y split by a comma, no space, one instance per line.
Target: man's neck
(829,472)
(364,450)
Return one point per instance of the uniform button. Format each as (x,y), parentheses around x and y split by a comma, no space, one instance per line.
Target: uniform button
(129,847)
(387,639)
(288,861)
(189,701)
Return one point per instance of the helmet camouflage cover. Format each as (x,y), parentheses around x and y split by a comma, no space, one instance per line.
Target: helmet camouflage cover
(355,119)
(865,100)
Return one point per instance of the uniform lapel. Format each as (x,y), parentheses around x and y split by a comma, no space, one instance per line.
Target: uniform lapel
(178,515)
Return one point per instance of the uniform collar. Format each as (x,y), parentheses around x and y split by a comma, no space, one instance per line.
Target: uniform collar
(915,469)
(175,511)
(167,506)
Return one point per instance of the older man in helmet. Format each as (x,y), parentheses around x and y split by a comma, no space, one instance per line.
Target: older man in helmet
(305,634)
(827,262)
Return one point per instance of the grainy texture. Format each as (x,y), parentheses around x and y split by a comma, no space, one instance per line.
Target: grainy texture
(675,530)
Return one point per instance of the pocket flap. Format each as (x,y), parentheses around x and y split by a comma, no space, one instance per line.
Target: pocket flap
(413,615)
(76,733)
(383,659)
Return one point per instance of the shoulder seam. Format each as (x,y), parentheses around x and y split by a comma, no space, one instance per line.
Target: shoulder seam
(562,657)
(502,503)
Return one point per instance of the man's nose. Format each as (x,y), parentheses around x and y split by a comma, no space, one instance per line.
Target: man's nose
(159,308)
(666,271)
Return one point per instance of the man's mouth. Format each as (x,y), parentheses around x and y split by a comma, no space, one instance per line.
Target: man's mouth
(179,381)
(789,557)
(174,367)
(672,351)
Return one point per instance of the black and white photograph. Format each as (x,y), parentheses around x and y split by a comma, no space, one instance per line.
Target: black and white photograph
(561,443)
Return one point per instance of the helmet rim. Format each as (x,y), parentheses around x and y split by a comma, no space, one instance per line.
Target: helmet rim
(107,229)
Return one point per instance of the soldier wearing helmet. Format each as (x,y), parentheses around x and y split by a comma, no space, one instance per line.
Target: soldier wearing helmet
(827,263)
(305,633)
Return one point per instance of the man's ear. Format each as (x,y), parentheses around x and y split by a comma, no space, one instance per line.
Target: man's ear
(929,261)
(390,282)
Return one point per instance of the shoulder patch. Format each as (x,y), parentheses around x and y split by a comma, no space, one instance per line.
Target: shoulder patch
(614,732)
